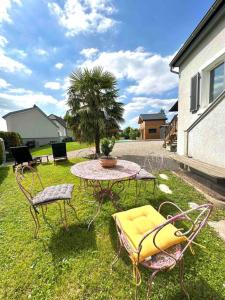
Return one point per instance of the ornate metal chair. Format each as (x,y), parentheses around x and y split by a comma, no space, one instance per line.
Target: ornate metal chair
(143,177)
(30,183)
(155,242)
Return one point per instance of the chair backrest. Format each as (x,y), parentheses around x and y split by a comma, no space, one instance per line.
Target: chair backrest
(59,150)
(194,224)
(21,154)
(29,181)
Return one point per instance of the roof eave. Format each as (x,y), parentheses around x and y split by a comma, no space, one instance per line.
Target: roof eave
(195,35)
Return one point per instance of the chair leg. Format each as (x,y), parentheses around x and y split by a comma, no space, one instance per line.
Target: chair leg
(116,257)
(137,280)
(97,212)
(36,221)
(65,215)
(181,265)
(150,282)
(73,208)
(44,209)
(61,214)
(154,188)
(138,189)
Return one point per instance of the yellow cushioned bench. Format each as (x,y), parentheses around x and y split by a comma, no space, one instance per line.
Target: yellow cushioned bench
(136,222)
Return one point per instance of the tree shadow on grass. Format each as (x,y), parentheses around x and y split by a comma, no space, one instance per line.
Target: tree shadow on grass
(67,245)
(3,173)
(198,289)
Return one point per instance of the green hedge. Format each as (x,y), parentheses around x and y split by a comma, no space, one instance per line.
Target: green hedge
(1,154)
(11,139)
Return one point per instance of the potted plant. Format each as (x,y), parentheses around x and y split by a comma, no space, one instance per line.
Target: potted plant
(107,161)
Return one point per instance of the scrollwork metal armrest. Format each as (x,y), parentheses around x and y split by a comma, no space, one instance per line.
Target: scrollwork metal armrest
(193,231)
(156,230)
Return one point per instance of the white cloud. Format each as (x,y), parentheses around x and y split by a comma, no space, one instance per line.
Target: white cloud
(4,84)
(144,105)
(8,64)
(41,52)
(3,126)
(26,99)
(66,83)
(89,52)
(59,66)
(83,16)
(3,41)
(5,6)
(53,85)
(19,98)
(150,72)
(19,53)
(147,105)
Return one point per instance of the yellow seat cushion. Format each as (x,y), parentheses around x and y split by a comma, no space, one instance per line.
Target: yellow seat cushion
(138,221)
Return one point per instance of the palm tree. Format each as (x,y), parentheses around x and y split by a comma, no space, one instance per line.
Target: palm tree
(92,101)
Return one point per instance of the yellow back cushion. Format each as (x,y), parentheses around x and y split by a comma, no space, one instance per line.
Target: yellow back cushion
(138,221)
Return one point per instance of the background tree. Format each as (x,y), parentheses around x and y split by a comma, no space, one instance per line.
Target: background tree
(126,132)
(130,133)
(93,107)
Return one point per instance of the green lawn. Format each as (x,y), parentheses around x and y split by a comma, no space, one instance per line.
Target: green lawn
(47,149)
(75,264)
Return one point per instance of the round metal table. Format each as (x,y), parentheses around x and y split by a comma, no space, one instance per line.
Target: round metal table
(103,180)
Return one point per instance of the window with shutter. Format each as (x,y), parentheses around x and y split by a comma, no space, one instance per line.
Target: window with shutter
(195,93)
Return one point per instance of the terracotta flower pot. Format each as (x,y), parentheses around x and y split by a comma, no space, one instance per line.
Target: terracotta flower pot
(108,162)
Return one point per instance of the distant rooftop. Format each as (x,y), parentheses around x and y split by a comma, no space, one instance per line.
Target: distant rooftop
(18,111)
(150,117)
(31,108)
(59,119)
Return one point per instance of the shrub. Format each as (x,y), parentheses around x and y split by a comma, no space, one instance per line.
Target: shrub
(11,139)
(1,153)
(107,146)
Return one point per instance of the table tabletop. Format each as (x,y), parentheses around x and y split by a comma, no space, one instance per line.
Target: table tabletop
(92,170)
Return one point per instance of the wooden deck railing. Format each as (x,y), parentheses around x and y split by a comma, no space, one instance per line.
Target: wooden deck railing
(171,131)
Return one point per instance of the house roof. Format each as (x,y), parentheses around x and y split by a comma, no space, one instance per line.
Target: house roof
(216,11)
(17,111)
(150,117)
(174,107)
(27,109)
(59,119)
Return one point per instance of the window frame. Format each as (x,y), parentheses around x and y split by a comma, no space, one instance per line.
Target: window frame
(152,129)
(211,99)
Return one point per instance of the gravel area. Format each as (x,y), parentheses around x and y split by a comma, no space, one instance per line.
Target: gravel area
(140,148)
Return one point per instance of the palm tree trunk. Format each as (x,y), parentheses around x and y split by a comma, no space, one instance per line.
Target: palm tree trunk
(97,141)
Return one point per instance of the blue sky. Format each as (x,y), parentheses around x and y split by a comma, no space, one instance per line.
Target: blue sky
(43,41)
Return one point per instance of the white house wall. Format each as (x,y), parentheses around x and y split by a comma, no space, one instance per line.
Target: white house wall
(32,125)
(61,129)
(212,45)
(207,138)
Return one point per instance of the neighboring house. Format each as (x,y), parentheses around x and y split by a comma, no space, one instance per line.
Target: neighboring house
(150,125)
(62,126)
(33,124)
(201,109)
